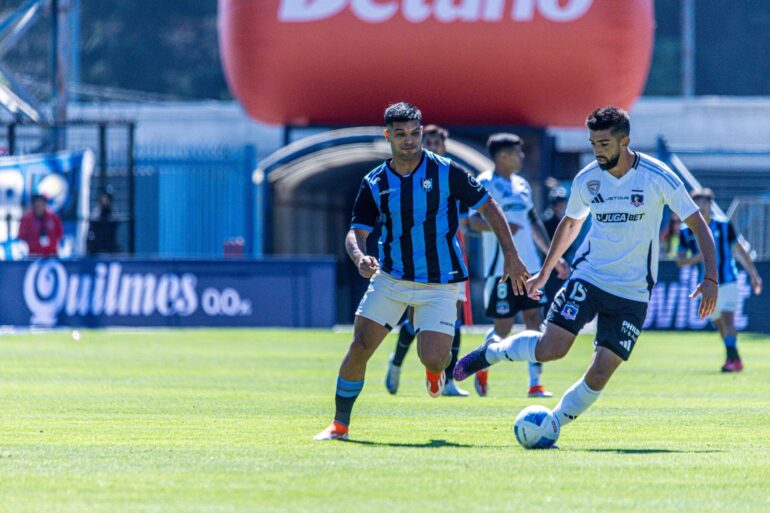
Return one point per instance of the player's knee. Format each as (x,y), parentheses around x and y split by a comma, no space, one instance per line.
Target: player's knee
(362,346)
(435,361)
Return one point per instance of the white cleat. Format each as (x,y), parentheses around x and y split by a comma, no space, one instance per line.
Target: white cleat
(392,376)
(452,390)
(335,431)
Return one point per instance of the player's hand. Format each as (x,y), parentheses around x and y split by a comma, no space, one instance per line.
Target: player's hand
(756,285)
(367,266)
(514,269)
(562,269)
(708,290)
(535,285)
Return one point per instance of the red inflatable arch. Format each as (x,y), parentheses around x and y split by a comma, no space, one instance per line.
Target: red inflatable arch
(463,62)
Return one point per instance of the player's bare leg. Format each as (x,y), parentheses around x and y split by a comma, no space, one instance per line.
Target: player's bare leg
(367,336)
(434,349)
(533,318)
(580,396)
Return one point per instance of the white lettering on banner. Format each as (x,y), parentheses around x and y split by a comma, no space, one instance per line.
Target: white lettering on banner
(671,308)
(445,11)
(49,290)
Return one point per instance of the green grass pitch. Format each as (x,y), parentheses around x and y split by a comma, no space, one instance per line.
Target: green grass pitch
(222,420)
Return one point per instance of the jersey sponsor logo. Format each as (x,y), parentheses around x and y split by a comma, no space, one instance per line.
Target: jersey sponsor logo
(427,184)
(598,199)
(593,186)
(372,11)
(387,191)
(637,199)
(626,344)
(618,217)
(570,311)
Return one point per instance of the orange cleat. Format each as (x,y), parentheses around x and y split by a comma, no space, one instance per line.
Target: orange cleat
(480,382)
(538,391)
(435,383)
(335,431)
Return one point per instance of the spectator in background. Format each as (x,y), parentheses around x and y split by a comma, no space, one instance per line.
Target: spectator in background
(101,232)
(40,228)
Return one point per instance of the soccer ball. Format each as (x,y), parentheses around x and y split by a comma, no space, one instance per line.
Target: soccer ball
(536,428)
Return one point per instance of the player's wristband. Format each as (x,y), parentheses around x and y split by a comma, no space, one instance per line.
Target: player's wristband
(711,280)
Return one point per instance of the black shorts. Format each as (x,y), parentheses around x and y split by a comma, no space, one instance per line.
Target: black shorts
(502,303)
(620,320)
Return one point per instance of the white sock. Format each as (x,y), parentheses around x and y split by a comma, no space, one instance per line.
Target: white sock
(518,348)
(535,369)
(575,401)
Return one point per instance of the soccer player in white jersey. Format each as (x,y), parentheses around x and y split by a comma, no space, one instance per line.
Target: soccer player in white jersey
(615,268)
(514,195)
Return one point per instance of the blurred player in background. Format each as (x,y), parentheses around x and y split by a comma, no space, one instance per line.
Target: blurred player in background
(433,139)
(615,270)
(514,195)
(413,198)
(726,241)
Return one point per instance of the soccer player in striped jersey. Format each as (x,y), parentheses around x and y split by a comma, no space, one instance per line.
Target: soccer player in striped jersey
(615,268)
(434,139)
(514,195)
(726,241)
(413,198)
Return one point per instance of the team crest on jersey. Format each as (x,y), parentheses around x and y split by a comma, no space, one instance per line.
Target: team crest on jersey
(593,186)
(502,308)
(637,199)
(570,311)
(427,184)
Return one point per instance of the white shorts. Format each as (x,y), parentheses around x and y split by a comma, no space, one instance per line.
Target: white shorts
(727,300)
(434,303)
(461,292)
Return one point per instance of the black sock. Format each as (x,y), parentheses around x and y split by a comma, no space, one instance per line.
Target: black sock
(455,351)
(732,353)
(405,339)
(347,393)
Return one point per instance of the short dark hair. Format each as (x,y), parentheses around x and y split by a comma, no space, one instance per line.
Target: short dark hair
(704,192)
(502,141)
(609,118)
(402,111)
(436,130)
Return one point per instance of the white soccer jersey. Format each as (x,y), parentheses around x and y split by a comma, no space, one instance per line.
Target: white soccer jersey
(514,196)
(620,253)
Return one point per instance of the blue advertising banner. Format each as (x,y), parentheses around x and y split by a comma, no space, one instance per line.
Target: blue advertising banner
(671,308)
(63,178)
(98,293)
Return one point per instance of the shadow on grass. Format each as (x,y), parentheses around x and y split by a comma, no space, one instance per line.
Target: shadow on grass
(643,451)
(433,444)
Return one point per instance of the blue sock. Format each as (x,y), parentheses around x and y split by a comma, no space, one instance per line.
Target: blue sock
(535,369)
(347,393)
(731,345)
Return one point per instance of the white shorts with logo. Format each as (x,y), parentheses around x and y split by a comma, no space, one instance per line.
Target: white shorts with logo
(727,300)
(434,303)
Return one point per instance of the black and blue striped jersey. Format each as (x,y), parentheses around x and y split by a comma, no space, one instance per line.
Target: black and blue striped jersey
(418,218)
(724,238)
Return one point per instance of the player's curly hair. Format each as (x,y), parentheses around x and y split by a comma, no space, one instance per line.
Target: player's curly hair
(610,118)
(402,111)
